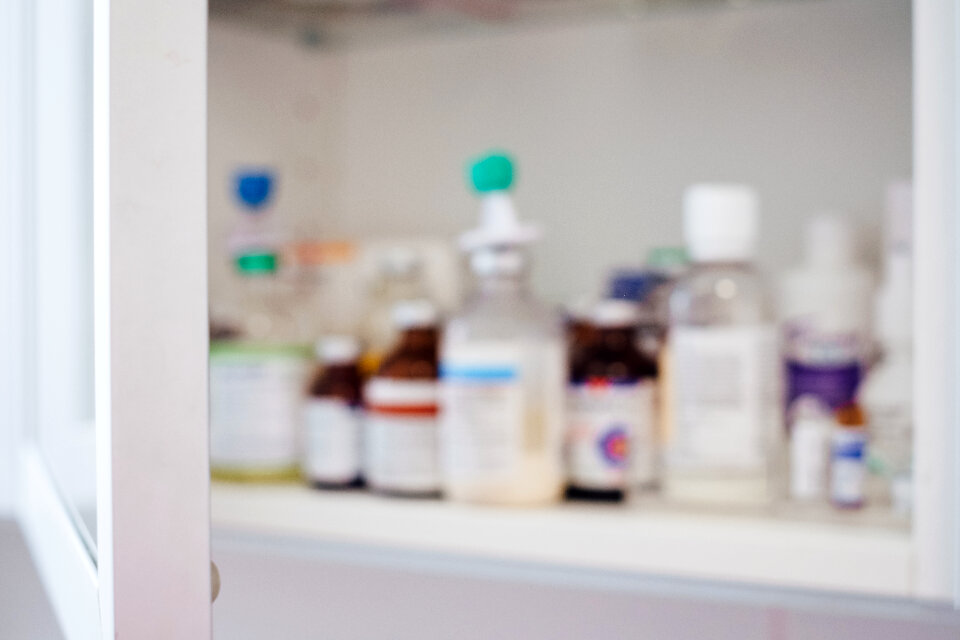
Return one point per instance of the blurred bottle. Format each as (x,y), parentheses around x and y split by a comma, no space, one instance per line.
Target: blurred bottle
(722,391)
(400,430)
(503,365)
(887,393)
(611,409)
(848,458)
(650,286)
(331,416)
(399,278)
(258,368)
(825,339)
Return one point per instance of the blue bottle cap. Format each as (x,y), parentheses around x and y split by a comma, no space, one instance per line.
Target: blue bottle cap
(254,188)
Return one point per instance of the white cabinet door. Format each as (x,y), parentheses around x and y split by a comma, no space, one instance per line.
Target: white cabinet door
(104,214)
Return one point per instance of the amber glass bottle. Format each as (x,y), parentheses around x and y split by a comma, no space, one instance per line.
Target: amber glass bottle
(332,427)
(610,433)
(400,432)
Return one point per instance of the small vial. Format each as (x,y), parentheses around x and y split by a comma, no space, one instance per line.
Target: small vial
(810,456)
(401,454)
(610,409)
(848,458)
(331,418)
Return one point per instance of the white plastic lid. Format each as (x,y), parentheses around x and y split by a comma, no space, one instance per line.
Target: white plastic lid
(720,221)
(407,314)
(829,241)
(337,349)
(615,312)
(499,225)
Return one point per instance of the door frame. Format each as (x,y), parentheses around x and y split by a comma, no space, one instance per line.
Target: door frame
(151,574)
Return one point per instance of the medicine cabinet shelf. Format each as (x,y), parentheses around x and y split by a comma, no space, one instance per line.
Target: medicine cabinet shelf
(856,555)
(334,23)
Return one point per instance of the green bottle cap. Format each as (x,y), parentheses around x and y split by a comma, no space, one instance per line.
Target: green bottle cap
(492,172)
(667,257)
(257,262)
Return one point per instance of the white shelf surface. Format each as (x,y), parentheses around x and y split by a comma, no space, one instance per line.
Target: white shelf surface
(757,551)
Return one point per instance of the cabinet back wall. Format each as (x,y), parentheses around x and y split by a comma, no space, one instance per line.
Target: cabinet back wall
(609,119)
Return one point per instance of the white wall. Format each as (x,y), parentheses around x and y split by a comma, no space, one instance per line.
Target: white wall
(609,119)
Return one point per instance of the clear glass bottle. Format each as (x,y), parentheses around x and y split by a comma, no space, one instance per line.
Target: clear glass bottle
(723,385)
(503,366)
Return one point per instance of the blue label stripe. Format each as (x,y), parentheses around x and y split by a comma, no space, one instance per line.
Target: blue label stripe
(492,373)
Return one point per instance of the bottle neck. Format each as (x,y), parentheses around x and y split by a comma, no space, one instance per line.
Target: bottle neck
(500,270)
(419,338)
(616,338)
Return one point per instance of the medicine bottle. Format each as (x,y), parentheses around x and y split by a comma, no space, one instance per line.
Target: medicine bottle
(400,430)
(331,417)
(611,409)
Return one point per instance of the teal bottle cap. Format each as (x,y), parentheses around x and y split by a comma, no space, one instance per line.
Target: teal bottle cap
(257,262)
(492,172)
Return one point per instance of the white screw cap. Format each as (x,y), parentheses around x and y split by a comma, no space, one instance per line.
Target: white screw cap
(615,313)
(408,314)
(336,349)
(721,221)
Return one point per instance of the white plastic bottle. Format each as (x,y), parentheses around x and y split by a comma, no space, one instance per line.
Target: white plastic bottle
(503,366)
(723,386)
(887,393)
(824,309)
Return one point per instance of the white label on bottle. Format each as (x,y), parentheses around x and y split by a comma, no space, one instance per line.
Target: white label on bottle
(482,418)
(724,397)
(848,466)
(610,434)
(255,400)
(332,441)
(400,439)
(809,456)
(502,415)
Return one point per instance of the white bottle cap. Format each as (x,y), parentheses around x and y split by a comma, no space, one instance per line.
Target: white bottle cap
(615,313)
(408,314)
(337,349)
(829,241)
(720,222)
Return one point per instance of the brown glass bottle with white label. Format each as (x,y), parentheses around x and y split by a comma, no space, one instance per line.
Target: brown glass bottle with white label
(401,454)
(331,419)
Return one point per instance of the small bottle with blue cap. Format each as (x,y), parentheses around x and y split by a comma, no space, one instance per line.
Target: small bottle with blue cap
(503,364)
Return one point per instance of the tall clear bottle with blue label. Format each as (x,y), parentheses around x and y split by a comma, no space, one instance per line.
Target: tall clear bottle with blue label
(258,370)
(721,381)
(503,365)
